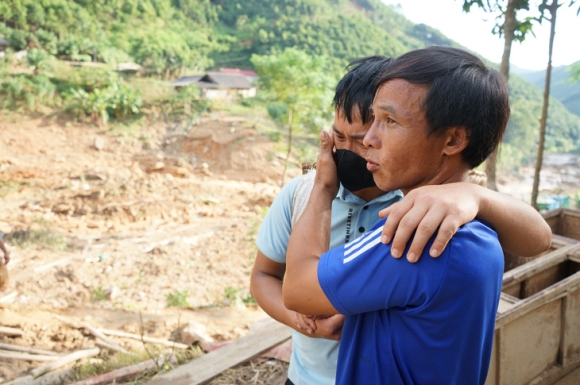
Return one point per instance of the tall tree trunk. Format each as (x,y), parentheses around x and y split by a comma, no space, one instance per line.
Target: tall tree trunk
(508,31)
(543,120)
(290,119)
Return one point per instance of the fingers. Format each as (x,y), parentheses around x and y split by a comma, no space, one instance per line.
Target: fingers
(427,226)
(395,212)
(304,324)
(6,258)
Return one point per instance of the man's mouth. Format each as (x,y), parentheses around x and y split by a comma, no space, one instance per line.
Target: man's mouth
(371,164)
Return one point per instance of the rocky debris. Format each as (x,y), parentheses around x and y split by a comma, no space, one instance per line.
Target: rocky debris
(193,333)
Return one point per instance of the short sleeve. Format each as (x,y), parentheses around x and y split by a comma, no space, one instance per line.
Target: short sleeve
(274,233)
(362,276)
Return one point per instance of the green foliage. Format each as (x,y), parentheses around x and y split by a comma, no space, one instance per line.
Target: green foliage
(295,82)
(234,295)
(115,100)
(562,131)
(38,60)
(98,294)
(163,35)
(26,91)
(177,299)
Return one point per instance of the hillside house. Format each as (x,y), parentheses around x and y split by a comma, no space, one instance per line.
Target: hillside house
(219,85)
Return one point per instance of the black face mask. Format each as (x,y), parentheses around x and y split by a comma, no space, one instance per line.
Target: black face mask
(352,170)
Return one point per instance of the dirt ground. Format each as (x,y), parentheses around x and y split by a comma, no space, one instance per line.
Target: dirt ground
(108,227)
(103,226)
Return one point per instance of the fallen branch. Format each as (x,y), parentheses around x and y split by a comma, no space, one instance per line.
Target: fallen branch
(12,332)
(65,360)
(102,337)
(120,373)
(26,349)
(26,356)
(146,339)
(115,348)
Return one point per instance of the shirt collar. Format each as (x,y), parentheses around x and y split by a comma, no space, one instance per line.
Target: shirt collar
(348,197)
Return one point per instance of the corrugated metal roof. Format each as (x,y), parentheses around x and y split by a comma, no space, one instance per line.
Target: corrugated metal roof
(223,80)
(185,81)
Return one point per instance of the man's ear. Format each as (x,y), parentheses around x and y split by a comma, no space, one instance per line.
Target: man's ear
(457,140)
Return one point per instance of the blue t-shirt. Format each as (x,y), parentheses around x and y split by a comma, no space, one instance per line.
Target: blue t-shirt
(313,360)
(431,322)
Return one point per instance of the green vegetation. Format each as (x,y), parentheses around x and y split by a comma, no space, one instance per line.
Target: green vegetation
(98,294)
(121,360)
(299,48)
(237,296)
(177,299)
(43,236)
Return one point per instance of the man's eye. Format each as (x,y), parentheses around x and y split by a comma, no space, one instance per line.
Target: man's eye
(389,120)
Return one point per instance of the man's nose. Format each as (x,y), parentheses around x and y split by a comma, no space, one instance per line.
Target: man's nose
(370,139)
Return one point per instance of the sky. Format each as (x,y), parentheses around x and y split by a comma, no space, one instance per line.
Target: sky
(473,31)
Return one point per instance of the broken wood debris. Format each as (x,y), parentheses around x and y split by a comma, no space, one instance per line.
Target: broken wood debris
(79,354)
(123,372)
(144,338)
(26,349)
(26,356)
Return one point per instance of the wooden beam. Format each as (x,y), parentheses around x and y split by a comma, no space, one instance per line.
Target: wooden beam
(212,364)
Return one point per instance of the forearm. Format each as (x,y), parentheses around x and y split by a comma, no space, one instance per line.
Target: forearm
(310,238)
(267,291)
(520,228)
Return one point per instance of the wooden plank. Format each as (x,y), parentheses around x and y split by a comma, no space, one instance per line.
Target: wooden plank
(207,367)
(523,272)
(572,227)
(549,294)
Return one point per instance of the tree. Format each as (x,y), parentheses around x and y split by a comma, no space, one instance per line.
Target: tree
(301,87)
(512,29)
(552,9)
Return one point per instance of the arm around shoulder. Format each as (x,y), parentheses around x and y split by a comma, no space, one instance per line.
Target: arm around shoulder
(520,228)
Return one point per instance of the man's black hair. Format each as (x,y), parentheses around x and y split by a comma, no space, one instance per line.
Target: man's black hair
(355,91)
(463,92)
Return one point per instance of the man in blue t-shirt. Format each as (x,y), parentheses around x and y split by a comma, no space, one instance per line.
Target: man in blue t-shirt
(354,211)
(439,112)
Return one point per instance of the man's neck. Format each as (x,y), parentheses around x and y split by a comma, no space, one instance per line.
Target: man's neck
(369,193)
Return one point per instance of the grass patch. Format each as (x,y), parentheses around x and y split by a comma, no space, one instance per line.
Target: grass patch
(120,360)
(98,294)
(177,299)
(237,296)
(40,237)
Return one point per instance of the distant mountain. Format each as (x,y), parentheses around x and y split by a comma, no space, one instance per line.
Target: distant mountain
(560,88)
